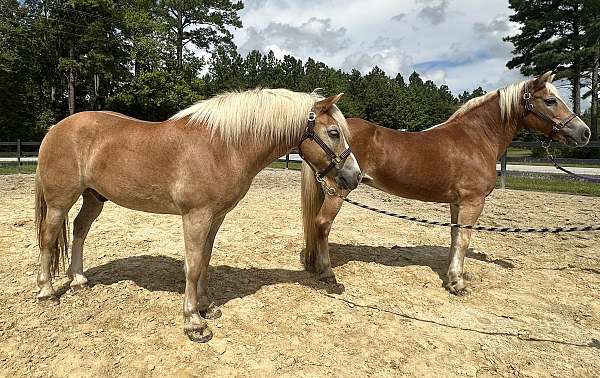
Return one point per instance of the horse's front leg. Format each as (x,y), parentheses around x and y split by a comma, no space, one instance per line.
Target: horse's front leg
(205,307)
(196,229)
(463,213)
(330,208)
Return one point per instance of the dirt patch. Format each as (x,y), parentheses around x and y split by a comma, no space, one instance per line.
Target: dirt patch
(534,310)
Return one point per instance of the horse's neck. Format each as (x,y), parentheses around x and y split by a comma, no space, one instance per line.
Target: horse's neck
(487,124)
(259,154)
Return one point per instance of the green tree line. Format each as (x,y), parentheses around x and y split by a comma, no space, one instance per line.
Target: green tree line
(140,58)
(136,57)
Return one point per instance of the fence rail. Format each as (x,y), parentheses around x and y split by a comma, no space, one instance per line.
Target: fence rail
(293,157)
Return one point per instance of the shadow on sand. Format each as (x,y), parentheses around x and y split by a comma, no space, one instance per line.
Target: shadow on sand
(164,273)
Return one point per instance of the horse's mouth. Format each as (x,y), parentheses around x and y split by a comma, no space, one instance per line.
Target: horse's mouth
(569,140)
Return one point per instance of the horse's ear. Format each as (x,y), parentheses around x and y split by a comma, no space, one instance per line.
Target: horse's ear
(540,81)
(324,105)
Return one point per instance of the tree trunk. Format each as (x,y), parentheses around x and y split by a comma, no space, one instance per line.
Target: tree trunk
(179,40)
(594,108)
(96,86)
(71,85)
(576,90)
(576,79)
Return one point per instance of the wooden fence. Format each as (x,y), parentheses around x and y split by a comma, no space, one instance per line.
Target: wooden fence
(503,172)
(19,150)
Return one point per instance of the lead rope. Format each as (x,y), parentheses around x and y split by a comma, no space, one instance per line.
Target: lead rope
(560,168)
(553,230)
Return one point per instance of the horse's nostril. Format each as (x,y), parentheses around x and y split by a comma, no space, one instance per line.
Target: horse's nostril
(586,134)
(344,182)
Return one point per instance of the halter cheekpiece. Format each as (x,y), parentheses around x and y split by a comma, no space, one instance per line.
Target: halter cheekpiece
(337,161)
(556,126)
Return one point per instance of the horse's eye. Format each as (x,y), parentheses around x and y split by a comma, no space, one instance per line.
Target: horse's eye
(550,101)
(333,133)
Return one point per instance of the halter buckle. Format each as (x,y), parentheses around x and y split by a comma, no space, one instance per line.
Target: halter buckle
(527,96)
(312,116)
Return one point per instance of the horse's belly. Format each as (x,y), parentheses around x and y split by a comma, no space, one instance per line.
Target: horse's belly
(146,205)
(151,198)
(429,193)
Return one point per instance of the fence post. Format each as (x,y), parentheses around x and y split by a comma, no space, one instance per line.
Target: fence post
(18,155)
(287,160)
(503,171)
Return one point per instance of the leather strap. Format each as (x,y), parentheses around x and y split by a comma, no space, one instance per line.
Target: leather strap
(309,133)
(556,126)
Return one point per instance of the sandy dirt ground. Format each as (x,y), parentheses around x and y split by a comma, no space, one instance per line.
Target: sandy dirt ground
(534,309)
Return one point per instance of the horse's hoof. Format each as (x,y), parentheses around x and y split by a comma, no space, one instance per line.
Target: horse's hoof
(330,280)
(335,288)
(211,313)
(198,333)
(458,287)
(48,300)
(78,288)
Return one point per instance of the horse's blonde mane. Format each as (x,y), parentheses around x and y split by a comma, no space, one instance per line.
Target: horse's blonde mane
(470,105)
(510,98)
(273,115)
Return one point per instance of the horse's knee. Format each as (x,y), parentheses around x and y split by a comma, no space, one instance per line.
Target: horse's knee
(323,225)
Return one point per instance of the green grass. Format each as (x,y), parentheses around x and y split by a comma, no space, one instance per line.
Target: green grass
(281,165)
(10,170)
(552,185)
(547,184)
(518,152)
(578,165)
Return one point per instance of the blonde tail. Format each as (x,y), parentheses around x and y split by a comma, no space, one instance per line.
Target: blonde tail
(312,199)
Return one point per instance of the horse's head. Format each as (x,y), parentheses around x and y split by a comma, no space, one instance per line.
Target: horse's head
(546,112)
(325,148)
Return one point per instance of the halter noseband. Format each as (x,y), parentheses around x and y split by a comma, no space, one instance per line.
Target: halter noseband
(556,126)
(309,133)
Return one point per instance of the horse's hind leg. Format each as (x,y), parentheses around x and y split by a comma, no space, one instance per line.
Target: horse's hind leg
(463,213)
(90,210)
(51,228)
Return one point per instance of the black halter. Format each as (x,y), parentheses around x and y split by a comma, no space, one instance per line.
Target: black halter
(556,126)
(309,133)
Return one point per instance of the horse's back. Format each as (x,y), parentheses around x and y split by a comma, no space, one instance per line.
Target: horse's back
(112,154)
(429,165)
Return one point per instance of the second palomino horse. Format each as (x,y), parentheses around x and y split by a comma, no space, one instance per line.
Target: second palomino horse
(454,163)
(198,164)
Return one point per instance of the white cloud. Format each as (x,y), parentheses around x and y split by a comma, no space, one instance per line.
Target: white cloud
(456,42)
(315,34)
(434,11)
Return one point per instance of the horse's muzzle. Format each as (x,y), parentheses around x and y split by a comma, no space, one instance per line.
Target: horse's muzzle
(347,179)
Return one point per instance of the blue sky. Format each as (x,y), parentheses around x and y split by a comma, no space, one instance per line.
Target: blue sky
(453,42)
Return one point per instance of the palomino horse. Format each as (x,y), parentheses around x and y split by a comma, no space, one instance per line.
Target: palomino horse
(454,163)
(199,164)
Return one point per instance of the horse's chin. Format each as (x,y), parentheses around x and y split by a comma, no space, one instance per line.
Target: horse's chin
(568,140)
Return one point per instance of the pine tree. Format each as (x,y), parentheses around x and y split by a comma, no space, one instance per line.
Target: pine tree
(551,38)
(203,23)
